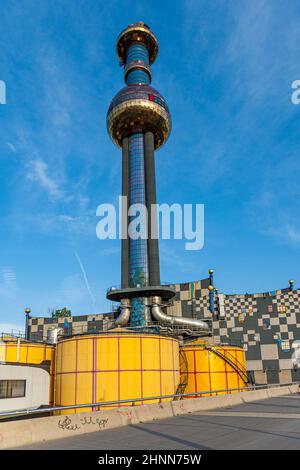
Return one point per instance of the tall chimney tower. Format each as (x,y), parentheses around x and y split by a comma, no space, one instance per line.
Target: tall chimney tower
(139,122)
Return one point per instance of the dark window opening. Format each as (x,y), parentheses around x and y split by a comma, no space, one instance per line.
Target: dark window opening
(12,388)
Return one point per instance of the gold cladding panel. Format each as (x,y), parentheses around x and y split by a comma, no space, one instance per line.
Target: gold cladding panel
(137,33)
(131,114)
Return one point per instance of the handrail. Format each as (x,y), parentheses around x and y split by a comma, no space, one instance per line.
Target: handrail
(90,330)
(240,368)
(241,371)
(134,400)
(119,287)
(183,374)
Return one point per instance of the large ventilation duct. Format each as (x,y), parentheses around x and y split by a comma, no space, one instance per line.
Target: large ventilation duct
(123,318)
(162,317)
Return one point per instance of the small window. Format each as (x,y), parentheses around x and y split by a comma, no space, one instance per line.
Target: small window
(241,317)
(285,345)
(12,388)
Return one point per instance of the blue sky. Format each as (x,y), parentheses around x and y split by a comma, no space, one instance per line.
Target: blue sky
(225,69)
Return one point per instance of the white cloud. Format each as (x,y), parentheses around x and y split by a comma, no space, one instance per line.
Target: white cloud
(8,285)
(38,171)
(50,223)
(293,234)
(8,276)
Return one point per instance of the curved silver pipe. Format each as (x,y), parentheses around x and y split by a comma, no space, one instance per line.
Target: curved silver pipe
(123,318)
(160,316)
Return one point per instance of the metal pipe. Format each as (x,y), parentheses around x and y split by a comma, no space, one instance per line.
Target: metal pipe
(134,400)
(211,290)
(160,316)
(123,318)
(27,328)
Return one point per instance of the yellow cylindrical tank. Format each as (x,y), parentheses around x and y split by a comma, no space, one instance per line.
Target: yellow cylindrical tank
(213,367)
(115,366)
(18,351)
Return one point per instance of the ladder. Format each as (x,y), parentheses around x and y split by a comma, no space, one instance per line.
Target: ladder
(183,374)
(234,363)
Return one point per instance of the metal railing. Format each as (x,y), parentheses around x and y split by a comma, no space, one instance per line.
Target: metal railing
(233,362)
(154,327)
(184,374)
(226,342)
(119,287)
(12,334)
(132,401)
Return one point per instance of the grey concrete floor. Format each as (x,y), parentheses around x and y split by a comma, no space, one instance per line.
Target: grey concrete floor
(266,424)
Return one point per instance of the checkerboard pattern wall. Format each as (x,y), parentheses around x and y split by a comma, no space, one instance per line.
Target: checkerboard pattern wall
(38,326)
(266,324)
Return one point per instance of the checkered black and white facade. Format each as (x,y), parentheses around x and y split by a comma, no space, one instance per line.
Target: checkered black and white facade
(80,324)
(265,324)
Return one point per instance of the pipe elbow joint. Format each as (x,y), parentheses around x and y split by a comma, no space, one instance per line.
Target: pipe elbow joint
(124,316)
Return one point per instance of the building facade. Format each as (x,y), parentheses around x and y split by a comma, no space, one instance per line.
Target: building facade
(267,325)
(39,328)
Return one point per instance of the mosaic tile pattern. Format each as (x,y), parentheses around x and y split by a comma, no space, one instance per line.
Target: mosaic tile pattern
(38,326)
(266,324)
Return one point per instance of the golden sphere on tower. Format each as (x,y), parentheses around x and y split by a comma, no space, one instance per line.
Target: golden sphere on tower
(138,108)
(210,288)
(27,310)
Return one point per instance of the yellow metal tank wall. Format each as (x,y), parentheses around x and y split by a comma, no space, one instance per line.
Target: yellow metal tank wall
(113,366)
(24,352)
(208,371)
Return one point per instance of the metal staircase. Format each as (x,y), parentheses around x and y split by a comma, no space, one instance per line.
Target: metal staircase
(183,375)
(233,363)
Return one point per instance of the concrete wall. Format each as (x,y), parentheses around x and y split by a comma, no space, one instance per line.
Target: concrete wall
(37,387)
(18,433)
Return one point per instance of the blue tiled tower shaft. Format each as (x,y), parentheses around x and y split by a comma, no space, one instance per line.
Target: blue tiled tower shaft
(138,250)
(134,54)
(138,261)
